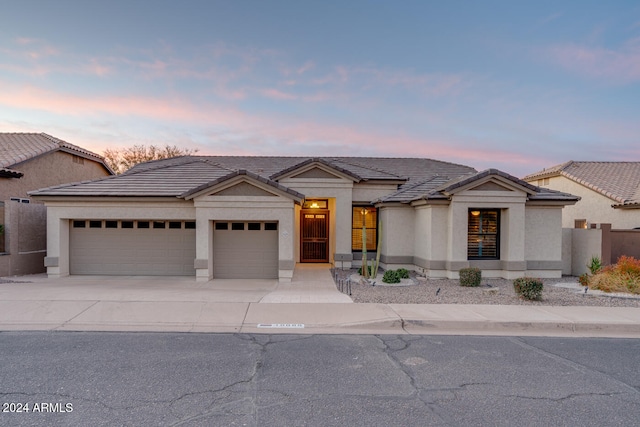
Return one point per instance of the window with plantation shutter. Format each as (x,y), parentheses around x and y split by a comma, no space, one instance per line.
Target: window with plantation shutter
(483,234)
(364,215)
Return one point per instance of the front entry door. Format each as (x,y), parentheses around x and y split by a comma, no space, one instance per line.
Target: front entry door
(314,235)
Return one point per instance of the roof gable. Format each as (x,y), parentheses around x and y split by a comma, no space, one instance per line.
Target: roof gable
(16,148)
(242,181)
(488,180)
(316,168)
(243,188)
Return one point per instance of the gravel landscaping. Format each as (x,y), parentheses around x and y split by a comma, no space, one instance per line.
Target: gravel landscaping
(419,290)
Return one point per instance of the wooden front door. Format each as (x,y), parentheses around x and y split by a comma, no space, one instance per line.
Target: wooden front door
(314,235)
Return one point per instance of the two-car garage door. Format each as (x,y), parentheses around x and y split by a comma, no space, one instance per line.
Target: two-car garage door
(132,248)
(241,250)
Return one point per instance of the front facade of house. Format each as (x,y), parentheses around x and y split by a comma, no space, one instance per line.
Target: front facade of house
(609,192)
(256,217)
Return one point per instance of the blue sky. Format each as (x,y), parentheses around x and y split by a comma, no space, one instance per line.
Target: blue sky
(517,86)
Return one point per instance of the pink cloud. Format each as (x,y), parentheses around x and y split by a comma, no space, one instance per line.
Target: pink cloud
(621,65)
(243,133)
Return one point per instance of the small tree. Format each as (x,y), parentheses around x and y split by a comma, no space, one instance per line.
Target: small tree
(123,159)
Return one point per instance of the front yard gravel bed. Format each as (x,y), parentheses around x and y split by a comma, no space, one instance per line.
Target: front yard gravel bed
(424,292)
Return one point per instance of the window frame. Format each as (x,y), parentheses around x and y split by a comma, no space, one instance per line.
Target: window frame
(482,233)
(374,241)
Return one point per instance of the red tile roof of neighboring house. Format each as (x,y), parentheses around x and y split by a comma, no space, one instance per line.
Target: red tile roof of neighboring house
(619,181)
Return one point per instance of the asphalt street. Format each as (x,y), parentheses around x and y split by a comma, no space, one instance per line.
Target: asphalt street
(172,379)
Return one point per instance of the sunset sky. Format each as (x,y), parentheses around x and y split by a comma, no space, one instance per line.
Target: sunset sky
(512,85)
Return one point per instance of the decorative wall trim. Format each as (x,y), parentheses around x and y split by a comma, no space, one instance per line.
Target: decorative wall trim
(344,257)
(399,259)
(51,261)
(286,264)
(200,263)
(544,265)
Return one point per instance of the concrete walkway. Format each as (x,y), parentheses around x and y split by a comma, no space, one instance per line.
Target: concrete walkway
(311,283)
(91,303)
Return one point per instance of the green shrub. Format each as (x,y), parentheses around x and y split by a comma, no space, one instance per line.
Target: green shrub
(391,276)
(403,273)
(595,265)
(528,288)
(471,276)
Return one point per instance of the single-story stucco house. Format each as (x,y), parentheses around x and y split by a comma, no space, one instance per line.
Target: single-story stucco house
(256,217)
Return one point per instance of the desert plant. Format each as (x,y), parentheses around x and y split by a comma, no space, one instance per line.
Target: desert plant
(376,264)
(528,288)
(624,276)
(471,276)
(371,272)
(584,279)
(391,276)
(403,273)
(595,264)
(366,272)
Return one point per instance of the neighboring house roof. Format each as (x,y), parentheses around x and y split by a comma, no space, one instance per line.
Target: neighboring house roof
(185,176)
(17,148)
(619,181)
(8,173)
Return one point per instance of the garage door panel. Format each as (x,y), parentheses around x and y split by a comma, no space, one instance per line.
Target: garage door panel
(132,251)
(245,254)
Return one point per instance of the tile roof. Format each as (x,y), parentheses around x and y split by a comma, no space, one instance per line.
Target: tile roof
(169,180)
(8,173)
(620,181)
(186,175)
(437,187)
(16,148)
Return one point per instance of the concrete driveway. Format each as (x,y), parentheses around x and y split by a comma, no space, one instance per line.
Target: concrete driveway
(312,305)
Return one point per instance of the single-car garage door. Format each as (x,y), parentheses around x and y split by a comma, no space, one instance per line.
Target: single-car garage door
(132,248)
(245,250)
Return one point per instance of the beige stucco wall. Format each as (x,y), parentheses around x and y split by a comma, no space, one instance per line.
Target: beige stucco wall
(594,207)
(25,232)
(543,242)
(47,170)
(585,243)
(397,246)
(366,192)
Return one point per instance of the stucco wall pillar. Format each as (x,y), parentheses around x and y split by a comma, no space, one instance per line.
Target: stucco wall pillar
(512,229)
(57,259)
(204,255)
(457,239)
